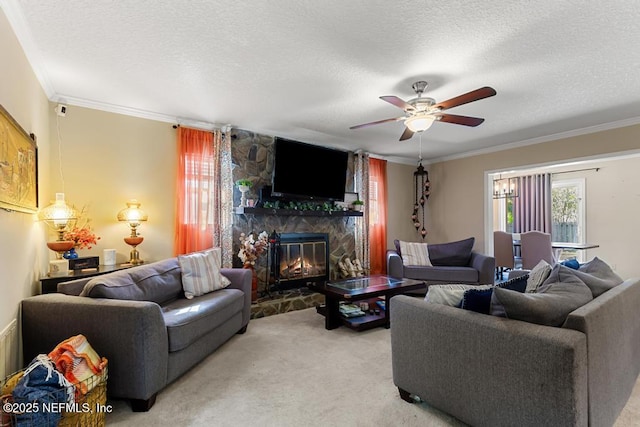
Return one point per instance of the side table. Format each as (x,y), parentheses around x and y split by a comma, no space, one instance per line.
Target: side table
(49,285)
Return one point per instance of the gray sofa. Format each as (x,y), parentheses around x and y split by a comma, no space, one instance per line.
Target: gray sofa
(453,262)
(496,371)
(142,325)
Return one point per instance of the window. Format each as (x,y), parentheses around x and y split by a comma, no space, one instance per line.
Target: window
(373,202)
(567,213)
(567,210)
(503,214)
(198,187)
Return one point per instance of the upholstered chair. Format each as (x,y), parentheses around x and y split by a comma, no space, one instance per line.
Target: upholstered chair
(536,246)
(503,252)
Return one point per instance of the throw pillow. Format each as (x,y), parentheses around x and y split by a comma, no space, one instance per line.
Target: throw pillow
(538,275)
(396,243)
(518,284)
(201,272)
(571,263)
(159,282)
(598,276)
(455,254)
(449,294)
(415,254)
(561,293)
(479,300)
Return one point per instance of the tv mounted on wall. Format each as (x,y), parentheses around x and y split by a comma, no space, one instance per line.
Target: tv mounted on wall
(305,171)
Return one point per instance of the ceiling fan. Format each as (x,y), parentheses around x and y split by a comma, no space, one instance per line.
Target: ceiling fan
(422,111)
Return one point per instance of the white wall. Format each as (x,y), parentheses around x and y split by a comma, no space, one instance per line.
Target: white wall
(612,205)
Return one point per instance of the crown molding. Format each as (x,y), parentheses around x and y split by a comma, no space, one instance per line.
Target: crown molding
(112,108)
(539,140)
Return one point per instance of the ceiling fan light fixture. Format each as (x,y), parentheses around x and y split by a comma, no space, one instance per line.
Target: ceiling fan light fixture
(419,122)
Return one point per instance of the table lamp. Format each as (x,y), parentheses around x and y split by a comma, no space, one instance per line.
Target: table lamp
(133,215)
(58,216)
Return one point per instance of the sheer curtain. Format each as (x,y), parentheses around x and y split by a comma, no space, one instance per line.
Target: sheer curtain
(532,207)
(203,212)
(377,215)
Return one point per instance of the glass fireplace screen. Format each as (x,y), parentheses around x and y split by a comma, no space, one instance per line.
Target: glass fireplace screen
(302,260)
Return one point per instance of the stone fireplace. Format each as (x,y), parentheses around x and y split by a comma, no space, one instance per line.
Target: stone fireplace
(252,156)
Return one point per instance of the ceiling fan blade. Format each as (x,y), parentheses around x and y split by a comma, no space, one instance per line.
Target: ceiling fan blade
(474,95)
(376,123)
(397,102)
(459,120)
(407,134)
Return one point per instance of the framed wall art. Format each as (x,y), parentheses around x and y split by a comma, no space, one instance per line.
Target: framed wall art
(18,166)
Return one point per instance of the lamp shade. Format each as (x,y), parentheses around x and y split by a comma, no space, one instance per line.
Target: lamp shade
(132,214)
(419,122)
(58,214)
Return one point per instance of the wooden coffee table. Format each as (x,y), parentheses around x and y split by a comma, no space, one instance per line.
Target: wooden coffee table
(361,289)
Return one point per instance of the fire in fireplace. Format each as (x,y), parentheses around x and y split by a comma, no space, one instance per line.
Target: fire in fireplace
(298,258)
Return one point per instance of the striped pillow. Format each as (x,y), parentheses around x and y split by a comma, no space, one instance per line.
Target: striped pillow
(201,272)
(415,253)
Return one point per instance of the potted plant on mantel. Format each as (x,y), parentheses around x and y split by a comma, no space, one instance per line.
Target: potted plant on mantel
(243,185)
(357,205)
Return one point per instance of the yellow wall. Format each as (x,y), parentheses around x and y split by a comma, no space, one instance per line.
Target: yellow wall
(108,159)
(22,243)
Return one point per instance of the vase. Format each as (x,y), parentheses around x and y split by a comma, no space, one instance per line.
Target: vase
(254,282)
(243,195)
(70,254)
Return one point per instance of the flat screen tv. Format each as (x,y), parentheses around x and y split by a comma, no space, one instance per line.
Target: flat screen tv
(306,171)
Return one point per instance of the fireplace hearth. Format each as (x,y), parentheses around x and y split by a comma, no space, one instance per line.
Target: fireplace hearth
(297,259)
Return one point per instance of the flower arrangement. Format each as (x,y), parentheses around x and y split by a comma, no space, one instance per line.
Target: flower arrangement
(82,235)
(244,183)
(251,248)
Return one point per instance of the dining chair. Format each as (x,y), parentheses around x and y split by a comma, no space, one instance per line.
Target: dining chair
(535,246)
(503,252)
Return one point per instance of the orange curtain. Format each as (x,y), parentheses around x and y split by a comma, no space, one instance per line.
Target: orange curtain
(195,186)
(377,215)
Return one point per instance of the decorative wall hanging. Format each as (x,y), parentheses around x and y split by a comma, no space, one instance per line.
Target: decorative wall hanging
(421,190)
(18,166)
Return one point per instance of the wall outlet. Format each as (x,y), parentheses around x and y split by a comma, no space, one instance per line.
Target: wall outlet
(61,110)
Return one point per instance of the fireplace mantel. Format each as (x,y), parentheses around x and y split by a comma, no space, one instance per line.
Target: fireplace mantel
(293,212)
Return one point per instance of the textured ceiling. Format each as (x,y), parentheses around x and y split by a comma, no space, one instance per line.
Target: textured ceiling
(308,70)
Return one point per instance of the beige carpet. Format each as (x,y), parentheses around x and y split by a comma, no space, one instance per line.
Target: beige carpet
(287,370)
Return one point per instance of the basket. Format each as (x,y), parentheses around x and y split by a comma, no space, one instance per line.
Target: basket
(88,410)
